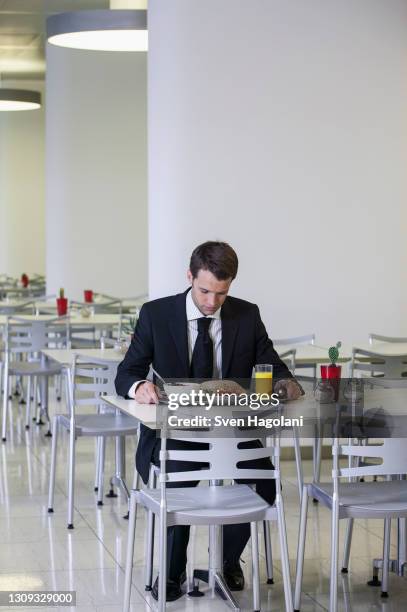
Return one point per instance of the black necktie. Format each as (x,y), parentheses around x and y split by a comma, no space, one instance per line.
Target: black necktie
(202,356)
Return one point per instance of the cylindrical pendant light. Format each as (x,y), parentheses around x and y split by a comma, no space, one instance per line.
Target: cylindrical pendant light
(19,99)
(100,30)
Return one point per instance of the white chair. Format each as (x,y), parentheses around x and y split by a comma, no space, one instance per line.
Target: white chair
(378,364)
(24,340)
(298,341)
(350,500)
(211,505)
(90,379)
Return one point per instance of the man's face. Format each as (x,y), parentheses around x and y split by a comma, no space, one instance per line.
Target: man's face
(208,292)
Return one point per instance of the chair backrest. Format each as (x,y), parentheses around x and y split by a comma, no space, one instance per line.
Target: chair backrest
(289,359)
(393,339)
(91,379)
(308,339)
(31,335)
(392,452)
(378,364)
(222,456)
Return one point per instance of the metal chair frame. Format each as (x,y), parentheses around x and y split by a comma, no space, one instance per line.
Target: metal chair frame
(99,375)
(222,457)
(355,499)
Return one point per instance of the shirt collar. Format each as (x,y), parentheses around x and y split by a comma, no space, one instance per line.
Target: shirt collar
(194,313)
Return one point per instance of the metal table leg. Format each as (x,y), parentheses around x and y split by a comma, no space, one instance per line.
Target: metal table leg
(214,576)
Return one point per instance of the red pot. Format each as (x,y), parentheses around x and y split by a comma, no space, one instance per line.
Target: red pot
(24,280)
(333,374)
(88,295)
(62,306)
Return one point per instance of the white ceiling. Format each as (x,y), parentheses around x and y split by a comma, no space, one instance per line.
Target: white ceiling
(22,34)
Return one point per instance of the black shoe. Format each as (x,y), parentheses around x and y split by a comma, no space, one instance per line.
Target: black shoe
(233,575)
(173,588)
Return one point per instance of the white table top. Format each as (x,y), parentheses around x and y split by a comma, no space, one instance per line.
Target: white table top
(96,320)
(144,413)
(310,353)
(389,349)
(392,400)
(65,356)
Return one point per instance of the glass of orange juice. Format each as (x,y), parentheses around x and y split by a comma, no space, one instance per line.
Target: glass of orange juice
(263,378)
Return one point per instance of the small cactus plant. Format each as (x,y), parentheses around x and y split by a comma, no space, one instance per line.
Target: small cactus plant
(333,353)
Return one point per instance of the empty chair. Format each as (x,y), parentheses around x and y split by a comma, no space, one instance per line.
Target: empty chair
(90,379)
(350,500)
(295,341)
(289,359)
(211,505)
(24,340)
(377,363)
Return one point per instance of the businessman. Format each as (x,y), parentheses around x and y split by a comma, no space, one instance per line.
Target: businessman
(201,333)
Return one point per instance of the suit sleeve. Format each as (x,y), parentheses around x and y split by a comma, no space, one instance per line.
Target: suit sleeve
(136,363)
(265,352)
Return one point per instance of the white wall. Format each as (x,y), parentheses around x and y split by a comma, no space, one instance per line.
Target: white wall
(280,126)
(96,172)
(22,187)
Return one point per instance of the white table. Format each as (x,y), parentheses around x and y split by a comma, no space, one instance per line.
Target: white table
(389,349)
(308,354)
(99,321)
(65,356)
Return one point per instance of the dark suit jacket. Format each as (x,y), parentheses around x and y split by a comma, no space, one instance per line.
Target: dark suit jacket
(161,339)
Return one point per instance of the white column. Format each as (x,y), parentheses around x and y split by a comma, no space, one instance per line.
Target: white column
(96,172)
(22,188)
(280,127)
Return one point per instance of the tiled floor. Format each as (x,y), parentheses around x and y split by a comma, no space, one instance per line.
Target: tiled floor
(37,552)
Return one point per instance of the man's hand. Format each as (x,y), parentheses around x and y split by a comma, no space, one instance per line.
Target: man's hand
(288,388)
(146,393)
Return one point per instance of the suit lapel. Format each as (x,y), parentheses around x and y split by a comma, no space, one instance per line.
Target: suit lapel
(230,326)
(178,329)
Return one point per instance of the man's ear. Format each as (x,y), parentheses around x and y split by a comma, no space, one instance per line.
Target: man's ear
(189,276)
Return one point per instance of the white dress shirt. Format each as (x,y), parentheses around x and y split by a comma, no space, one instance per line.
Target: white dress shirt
(215,331)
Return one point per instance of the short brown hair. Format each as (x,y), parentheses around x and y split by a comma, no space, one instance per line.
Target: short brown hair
(217,257)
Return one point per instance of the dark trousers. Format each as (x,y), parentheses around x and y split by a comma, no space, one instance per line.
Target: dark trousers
(235,537)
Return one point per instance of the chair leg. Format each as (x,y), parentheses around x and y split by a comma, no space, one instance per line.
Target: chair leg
(298,461)
(162,580)
(348,542)
(53,465)
(130,551)
(5,405)
(333,599)
(317,458)
(101,474)
(386,557)
(28,405)
(97,460)
(150,538)
(255,567)
(285,566)
(71,478)
(301,548)
(268,552)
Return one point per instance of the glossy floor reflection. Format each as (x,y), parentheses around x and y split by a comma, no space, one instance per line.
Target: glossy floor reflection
(37,552)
